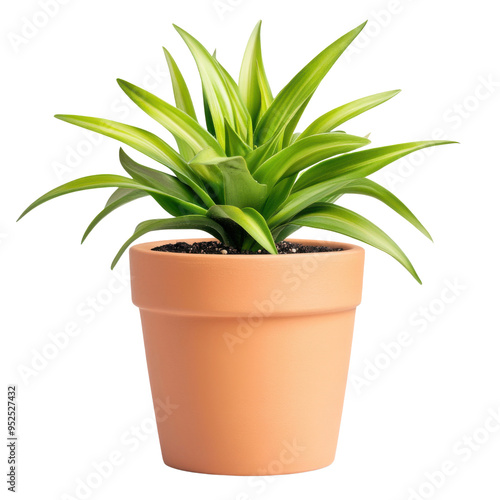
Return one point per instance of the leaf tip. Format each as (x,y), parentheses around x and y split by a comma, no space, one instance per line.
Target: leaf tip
(117,258)
(26,211)
(356,31)
(167,53)
(73,119)
(123,157)
(360,28)
(180,30)
(414,273)
(124,85)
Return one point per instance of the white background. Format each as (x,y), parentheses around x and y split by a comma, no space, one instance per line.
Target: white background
(404,418)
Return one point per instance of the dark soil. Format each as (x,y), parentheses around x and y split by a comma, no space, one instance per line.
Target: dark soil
(214,247)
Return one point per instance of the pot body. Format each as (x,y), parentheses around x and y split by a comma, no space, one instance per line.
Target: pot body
(248,355)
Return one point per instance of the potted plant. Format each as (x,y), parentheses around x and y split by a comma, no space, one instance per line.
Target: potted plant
(248,333)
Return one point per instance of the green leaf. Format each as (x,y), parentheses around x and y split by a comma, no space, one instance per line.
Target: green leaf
(182,100)
(208,115)
(279,195)
(176,121)
(103,181)
(283,232)
(370,188)
(253,83)
(243,124)
(221,92)
(344,221)
(332,190)
(337,116)
(360,163)
(181,92)
(120,197)
(249,220)
(120,193)
(210,175)
(235,146)
(304,198)
(145,142)
(259,155)
(240,188)
(163,182)
(292,125)
(304,153)
(290,100)
(185,222)
(157,179)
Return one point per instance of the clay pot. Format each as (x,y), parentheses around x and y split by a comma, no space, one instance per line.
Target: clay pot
(248,355)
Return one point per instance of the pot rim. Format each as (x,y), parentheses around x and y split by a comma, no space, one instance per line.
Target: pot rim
(177,283)
(147,247)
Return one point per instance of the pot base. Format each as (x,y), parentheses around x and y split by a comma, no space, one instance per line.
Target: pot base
(275,471)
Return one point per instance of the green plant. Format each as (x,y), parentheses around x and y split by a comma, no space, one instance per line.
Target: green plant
(249,179)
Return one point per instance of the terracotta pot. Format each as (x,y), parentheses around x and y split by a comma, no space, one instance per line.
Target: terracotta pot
(248,355)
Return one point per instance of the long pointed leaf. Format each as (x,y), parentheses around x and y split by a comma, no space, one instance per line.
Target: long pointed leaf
(221,93)
(143,141)
(103,181)
(332,190)
(185,222)
(344,221)
(176,121)
(292,124)
(360,163)
(370,188)
(157,179)
(337,116)
(253,83)
(183,101)
(163,182)
(300,89)
(304,153)
(243,123)
(181,91)
(119,198)
(299,201)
